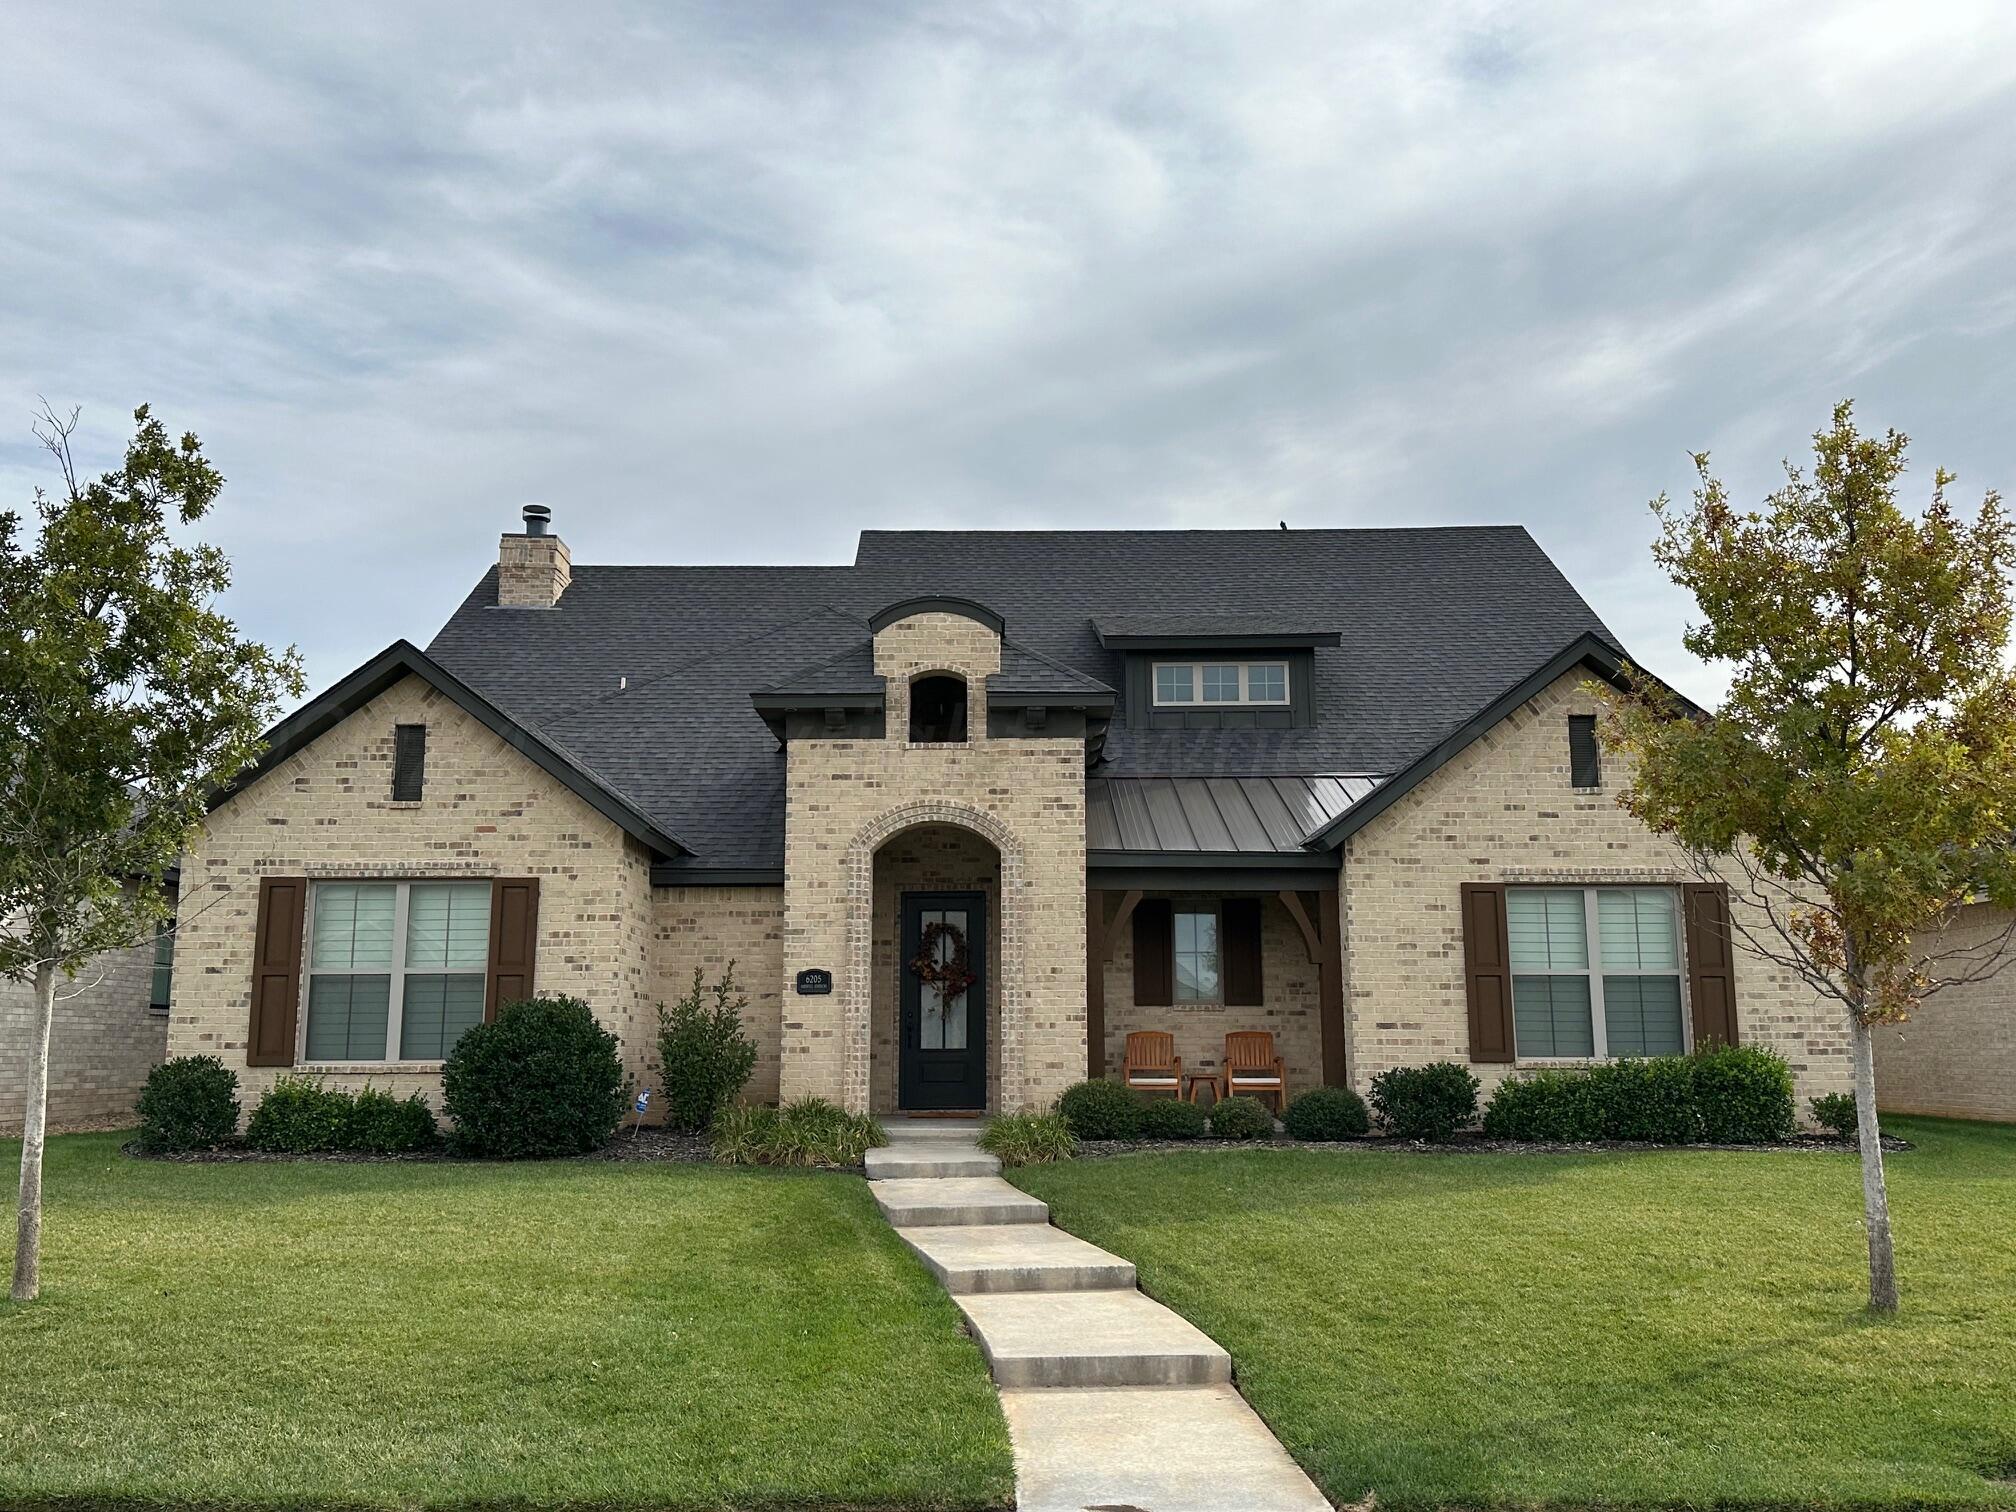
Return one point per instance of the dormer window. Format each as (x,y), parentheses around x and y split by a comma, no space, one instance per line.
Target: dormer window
(938,709)
(1221,684)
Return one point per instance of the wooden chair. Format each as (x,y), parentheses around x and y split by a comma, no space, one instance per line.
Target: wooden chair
(1152,1063)
(1252,1069)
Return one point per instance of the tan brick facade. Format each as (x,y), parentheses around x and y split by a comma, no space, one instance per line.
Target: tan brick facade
(1956,1056)
(327,813)
(1504,811)
(1288,980)
(708,927)
(845,799)
(104,1043)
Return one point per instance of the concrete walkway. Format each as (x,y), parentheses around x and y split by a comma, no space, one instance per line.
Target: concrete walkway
(1113,1402)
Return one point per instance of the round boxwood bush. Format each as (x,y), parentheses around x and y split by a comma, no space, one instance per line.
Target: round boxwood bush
(380,1124)
(1172,1118)
(1744,1093)
(1835,1112)
(543,1078)
(1425,1102)
(189,1103)
(299,1116)
(1554,1106)
(1241,1118)
(1101,1110)
(1327,1113)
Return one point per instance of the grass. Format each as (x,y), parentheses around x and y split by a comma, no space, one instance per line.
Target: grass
(446,1335)
(1674,1329)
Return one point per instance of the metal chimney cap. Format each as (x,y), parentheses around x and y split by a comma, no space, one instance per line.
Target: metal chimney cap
(537,518)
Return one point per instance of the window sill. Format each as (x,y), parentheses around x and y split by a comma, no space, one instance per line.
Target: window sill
(404,803)
(365,1068)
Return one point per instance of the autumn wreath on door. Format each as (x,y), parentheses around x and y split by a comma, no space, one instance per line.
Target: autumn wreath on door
(942,962)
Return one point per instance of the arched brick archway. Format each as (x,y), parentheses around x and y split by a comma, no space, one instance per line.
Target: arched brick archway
(856,981)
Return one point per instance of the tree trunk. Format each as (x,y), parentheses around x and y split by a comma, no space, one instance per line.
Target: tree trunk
(1875,1195)
(34,1121)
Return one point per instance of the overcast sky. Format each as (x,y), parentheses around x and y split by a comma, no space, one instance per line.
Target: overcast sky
(730,282)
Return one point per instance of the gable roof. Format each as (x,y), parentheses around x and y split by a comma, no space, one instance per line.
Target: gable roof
(403,659)
(644,675)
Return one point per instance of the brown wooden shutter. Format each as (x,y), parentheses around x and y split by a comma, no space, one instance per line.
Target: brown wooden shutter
(1487,971)
(1241,919)
(1711,963)
(1154,953)
(276,971)
(514,942)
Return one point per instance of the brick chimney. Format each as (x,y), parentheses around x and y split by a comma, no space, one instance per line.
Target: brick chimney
(533,567)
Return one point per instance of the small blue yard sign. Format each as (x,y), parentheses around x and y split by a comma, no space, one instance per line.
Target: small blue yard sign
(643,1099)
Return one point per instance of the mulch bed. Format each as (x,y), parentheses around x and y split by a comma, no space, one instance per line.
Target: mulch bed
(1468,1144)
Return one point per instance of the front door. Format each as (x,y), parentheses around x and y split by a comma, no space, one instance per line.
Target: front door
(943,969)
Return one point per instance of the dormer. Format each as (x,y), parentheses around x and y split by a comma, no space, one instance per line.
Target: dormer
(1216,671)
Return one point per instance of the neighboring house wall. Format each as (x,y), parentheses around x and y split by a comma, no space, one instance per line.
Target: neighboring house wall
(1288,980)
(1956,1056)
(846,799)
(708,927)
(327,814)
(105,1042)
(1503,810)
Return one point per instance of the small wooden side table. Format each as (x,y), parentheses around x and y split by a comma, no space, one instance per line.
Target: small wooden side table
(1196,1081)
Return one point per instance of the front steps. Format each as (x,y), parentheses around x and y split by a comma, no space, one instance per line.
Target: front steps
(1111,1399)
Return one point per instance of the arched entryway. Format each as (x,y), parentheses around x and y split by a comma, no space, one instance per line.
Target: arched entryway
(931,878)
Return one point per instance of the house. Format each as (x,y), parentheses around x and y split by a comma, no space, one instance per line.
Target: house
(965,812)
(1956,1056)
(111,1030)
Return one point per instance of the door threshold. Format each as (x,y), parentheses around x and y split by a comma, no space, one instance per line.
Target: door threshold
(920,1117)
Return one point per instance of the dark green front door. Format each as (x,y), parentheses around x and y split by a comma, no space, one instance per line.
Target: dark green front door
(943,1061)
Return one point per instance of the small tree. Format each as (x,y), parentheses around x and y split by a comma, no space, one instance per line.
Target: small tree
(705,1056)
(126,699)
(1858,785)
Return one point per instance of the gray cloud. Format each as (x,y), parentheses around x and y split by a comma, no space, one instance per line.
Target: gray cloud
(730,282)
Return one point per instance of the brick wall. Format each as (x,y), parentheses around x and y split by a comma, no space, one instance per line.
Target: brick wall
(845,799)
(1504,811)
(104,1043)
(1288,980)
(487,811)
(1956,1056)
(708,927)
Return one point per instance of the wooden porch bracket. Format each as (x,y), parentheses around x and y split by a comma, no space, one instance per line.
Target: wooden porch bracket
(1312,938)
(1129,900)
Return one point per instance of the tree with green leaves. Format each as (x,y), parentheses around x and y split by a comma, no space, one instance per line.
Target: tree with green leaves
(126,700)
(1857,787)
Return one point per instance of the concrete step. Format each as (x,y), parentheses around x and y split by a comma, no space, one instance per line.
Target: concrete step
(1093,1338)
(1016,1257)
(943,1201)
(917,1158)
(1198,1449)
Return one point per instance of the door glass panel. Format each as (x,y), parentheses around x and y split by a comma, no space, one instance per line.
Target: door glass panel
(944,1018)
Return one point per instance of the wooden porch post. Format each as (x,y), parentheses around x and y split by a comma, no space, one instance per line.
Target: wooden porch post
(1095,983)
(1323,933)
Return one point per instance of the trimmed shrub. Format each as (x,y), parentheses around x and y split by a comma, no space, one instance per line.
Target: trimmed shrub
(1101,1110)
(1553,1106)
(808,1132)
(1241,1118)
(1425,1102)
(1019,1139)
(1651,1100)
(1327,1113)
(543,1078)
(300,1116)
(1172,1118)
(189,1103)
(1836,1112)
(1745,1095)
(705,1057)
(381,1124)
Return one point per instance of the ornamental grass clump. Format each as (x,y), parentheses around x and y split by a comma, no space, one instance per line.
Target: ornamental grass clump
(1029,1138)
(705,1056)
(808,1132)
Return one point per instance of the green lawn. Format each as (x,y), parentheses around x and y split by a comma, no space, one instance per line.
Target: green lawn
(1672,1329)
(440,1335)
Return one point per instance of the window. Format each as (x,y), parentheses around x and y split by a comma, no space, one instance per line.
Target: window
(164,966)
(1585,758)
(1216,683)
(396,970)
(409,762)
(938,709)
(1197,967)
(1595,971)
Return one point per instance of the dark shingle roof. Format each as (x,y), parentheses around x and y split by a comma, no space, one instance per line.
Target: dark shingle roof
(1433,625)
